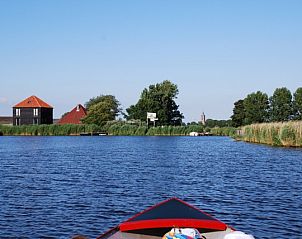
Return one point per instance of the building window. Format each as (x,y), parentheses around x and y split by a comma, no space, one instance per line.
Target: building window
(36,112)
(35,121)
(17,121)
(17,112)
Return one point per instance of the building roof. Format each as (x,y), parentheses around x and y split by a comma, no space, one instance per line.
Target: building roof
(32,102)
(74,116)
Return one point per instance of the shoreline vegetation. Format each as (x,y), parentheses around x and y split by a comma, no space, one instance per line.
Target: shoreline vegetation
(286,134)
(258,118)
(115,128)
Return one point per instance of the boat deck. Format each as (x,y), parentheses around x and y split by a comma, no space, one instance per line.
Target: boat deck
(126,235)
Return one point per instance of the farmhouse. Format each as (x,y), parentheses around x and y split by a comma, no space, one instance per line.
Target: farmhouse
(32,111)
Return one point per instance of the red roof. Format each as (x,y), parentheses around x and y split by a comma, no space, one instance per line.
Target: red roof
(74,116)
(32,102)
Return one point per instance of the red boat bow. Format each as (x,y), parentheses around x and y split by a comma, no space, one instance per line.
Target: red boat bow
(172,213)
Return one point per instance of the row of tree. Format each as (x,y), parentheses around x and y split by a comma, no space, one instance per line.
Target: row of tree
(257,107)
(158,98)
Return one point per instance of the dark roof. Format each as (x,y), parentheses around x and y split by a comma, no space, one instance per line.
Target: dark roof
(32,102)
(74,116)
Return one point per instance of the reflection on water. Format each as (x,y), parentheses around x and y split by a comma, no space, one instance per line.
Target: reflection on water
(61,186)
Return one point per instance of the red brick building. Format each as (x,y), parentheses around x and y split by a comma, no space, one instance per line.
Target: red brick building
(32,110)
(74,116)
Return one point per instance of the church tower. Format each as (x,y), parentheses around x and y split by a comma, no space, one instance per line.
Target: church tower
(203,118)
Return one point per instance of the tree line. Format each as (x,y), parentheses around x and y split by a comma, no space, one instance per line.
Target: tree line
(158,98)
(257,107)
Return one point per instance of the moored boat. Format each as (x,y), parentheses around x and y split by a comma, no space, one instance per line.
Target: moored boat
(173,219)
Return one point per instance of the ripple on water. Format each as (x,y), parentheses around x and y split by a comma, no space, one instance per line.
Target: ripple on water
(55,187)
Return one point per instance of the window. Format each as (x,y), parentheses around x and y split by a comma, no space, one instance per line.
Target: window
(17,112)
(35,121)
(17,121)
(36,112)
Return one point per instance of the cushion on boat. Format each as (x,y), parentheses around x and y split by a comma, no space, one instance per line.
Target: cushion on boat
(182,233)
(238,235)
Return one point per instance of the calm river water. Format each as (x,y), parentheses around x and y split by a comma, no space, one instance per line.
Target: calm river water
(56,187)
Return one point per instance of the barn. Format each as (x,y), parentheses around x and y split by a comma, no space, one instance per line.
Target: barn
(74,116)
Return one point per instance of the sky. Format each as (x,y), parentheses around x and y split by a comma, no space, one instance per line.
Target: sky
(216,52)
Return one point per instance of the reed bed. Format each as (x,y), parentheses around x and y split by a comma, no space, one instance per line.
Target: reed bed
(126,129)
(288,134)
(224,131)
(48,130)
(118,128)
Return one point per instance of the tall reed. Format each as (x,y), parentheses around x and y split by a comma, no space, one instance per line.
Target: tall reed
(223,131)
(112,128)
(287,134)
(45,130)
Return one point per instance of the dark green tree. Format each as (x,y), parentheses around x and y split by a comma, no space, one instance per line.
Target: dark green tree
(101,109)
(102,98)
(193,123)
(238,114)
(297,104)
(281,107)
(256,107)
(211,123)
(159,99)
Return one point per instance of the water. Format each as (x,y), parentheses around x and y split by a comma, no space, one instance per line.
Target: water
(56,187)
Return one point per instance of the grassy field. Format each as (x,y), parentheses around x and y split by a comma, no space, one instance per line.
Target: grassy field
(287,134)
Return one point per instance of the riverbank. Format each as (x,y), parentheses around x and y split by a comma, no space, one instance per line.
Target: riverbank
(118,129)
(287,134)
(47,130)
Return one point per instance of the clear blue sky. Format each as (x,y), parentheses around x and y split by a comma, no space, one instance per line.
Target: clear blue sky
(67,51)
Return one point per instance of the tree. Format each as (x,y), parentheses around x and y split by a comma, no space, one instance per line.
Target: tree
(297,104)
(238,113)
(101,109)
(281,107)
(102,98)
(256,107)
(159,99)
(211,123)
(193,123)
